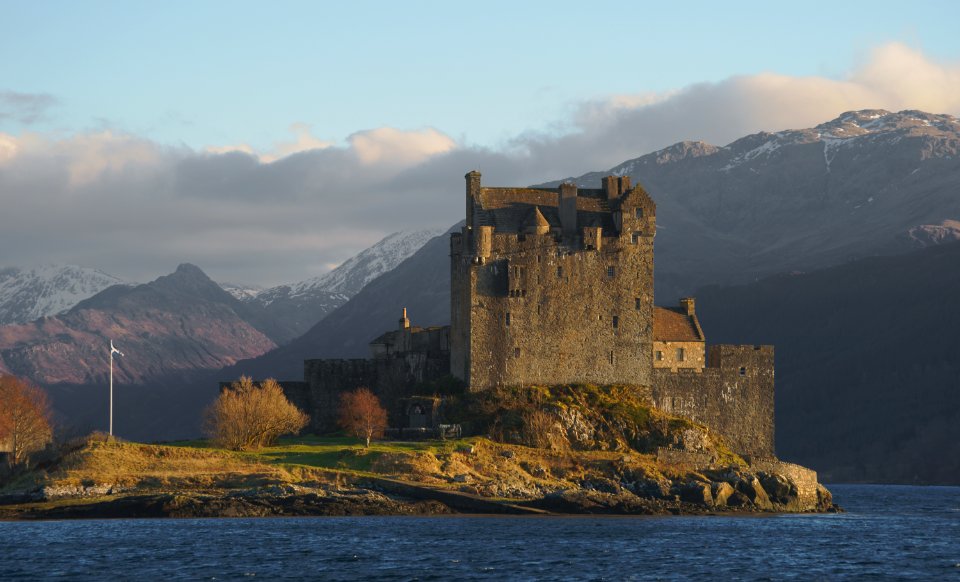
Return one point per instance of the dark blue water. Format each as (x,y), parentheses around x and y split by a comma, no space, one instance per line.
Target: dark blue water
(889,532)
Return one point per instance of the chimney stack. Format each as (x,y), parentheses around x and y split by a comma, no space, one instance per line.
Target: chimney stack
(568,208)
(688,304)
(404,322)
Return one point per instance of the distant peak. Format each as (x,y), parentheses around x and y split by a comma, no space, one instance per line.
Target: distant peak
(189,268)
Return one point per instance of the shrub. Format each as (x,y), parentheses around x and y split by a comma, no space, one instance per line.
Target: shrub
(248,416)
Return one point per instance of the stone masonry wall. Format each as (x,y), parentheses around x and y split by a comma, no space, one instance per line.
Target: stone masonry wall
(733,395)
(390,379)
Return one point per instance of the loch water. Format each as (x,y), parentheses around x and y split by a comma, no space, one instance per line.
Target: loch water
(888,532)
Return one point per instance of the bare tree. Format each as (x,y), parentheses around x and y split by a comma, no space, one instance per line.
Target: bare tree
(361,415)
(248,416)
(24,418)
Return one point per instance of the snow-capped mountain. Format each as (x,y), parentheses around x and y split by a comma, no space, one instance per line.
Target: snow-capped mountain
(299,306)
(30,293)
(241,292)
(868,182)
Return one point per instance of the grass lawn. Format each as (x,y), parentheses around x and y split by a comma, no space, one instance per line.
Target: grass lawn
(334,452)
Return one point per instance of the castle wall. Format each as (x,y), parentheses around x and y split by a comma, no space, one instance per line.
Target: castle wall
(733,395)
(390,379)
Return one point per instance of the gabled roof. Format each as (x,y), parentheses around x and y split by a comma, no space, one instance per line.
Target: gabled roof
(672,324)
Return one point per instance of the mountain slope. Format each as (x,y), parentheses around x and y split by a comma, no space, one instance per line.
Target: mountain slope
(296,308)
(29,293)
(421,283)
(868,365)
(175,325)
(869,182)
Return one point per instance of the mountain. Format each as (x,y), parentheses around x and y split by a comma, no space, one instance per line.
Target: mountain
(868,365)
(29,293)
(869,182)
(421,283)
(175,325)
(241,292)
(296,308)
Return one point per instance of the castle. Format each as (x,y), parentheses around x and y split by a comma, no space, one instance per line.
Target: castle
(555,286)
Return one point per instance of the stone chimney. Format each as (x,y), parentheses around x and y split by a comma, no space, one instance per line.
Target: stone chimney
(404,321)
(687,303)
(473,192)
(568,208)
(615,186)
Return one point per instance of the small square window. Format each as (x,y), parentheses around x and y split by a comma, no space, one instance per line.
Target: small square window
(516,352)
(638,213)
(681,354)
(616,322)
(611,271)
(635,238)
(743,371)
(636,303)
(659,356)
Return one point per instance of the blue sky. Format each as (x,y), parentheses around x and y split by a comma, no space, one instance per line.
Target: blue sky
(269,142)
(215,73)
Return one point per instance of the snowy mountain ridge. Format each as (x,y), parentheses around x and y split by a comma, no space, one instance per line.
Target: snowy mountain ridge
(30,293)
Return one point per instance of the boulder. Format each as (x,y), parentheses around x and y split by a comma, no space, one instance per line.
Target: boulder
(752,488)
(780,489)
(696,492)
(722,492)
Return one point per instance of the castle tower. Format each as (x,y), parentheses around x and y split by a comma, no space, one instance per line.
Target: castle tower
(553,285)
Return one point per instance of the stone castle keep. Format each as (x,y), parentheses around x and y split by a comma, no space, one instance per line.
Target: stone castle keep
(555,286)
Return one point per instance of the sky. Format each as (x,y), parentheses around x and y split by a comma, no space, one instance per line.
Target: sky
(269,142)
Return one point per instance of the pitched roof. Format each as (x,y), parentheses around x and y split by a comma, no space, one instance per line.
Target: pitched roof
(672,324)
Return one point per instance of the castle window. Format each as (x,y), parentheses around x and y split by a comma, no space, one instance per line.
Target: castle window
(516,352)
(507,318)
(681,354)
(635,238)
(659,356)
(611,358)
(611,271)
(559,271)
(743,371)
(638,212)
(616,322)
(636,303)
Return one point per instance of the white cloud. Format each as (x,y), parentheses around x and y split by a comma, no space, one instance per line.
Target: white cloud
(136,208)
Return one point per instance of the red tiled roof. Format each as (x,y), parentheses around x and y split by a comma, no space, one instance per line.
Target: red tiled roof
(674,325)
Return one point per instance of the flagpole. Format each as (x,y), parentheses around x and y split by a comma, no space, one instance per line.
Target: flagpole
(111,388)
(112,351)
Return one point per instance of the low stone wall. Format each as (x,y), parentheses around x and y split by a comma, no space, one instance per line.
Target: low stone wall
(389,378)
(695,459)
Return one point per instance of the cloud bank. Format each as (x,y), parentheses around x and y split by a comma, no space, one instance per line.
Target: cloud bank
(136,208)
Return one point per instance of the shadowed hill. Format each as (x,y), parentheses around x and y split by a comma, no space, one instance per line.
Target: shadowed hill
(868,364)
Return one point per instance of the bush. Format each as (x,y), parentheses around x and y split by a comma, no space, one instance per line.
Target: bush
(248,416)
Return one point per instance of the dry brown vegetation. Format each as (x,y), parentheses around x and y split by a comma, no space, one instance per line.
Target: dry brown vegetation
(24,418)
(248,416)
(361,415)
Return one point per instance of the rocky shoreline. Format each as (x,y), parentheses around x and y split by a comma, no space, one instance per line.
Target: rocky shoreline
(376,496)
